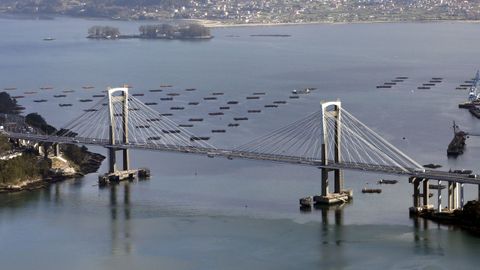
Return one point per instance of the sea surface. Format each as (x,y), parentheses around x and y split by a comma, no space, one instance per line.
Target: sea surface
(202,213)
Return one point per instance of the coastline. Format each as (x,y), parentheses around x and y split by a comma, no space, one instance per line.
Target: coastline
(220,24)
(90,166)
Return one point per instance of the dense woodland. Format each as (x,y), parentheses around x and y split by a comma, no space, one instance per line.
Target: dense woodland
(26,167)
(155,31)
(7,104)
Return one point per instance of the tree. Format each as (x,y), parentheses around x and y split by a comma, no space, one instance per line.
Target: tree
(37,121)
(7,104)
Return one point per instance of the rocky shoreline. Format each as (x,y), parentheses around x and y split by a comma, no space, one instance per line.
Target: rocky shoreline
(90,165)
(467,218)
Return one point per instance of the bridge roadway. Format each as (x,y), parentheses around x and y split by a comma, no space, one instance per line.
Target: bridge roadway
(212,152)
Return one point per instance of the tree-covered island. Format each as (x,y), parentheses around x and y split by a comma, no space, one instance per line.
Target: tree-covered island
(192,31)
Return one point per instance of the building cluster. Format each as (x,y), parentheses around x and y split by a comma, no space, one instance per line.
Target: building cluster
(261,11)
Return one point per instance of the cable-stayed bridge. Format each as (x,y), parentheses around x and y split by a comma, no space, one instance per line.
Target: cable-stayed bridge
(331,139)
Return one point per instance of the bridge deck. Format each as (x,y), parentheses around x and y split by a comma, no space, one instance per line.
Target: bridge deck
(409,172)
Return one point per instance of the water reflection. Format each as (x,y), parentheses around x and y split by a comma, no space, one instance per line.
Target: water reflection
(121,237)
(423,240)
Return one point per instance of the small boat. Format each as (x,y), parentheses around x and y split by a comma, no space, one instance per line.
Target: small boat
(428,84)
(177,108)
(371,190)
(153,120)
(40,100)
(195,138)
(138,95)
(240,118)
(466,85)
(254,111)
(90,110)
(259,93)
(17,97)
(65,104)
(155,90)
(233,125)
(384,86)
(280,102)
(423,87)
(306,201)
(173,94)
(99,95)
(68,91)
(397,80)
(9,88)
(432,166)
(435,81)
(59,96)
(142,126)
(48,39)
(190,89)
(386,181)
(253,97)
(224,108)
(437,78)
(166,114)
(195,119)
(151,103)
(461,88)
(166,98)
(193,103)
(86,87)
(215,113)
(293,97)
(85,100)
(401,78)
(218,131)
(165,85)
(155,138)
(46,88)
(30,92)
(185,125)
(217,94)
(209,98)
(232,102)
(390,83)
(170,131)
(271,106)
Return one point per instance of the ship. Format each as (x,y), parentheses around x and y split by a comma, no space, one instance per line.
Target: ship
(457,144)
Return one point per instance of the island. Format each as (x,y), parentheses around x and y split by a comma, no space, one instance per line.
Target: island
(29,165)
(191,31)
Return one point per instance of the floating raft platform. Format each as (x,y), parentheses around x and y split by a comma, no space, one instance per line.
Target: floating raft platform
(118,176)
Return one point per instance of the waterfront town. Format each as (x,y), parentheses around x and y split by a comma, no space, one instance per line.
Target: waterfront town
(229,12)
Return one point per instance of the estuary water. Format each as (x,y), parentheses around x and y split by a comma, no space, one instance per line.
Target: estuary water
(201,213)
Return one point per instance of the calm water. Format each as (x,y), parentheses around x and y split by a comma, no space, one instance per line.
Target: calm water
(201,213)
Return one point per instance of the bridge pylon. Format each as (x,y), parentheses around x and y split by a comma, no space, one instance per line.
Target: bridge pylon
(331,111)
(121,99)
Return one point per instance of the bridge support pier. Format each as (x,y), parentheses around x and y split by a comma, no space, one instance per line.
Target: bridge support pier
(439,194)
(452,195)
(56,149)
(424,204)
(112,160)
(426,193)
